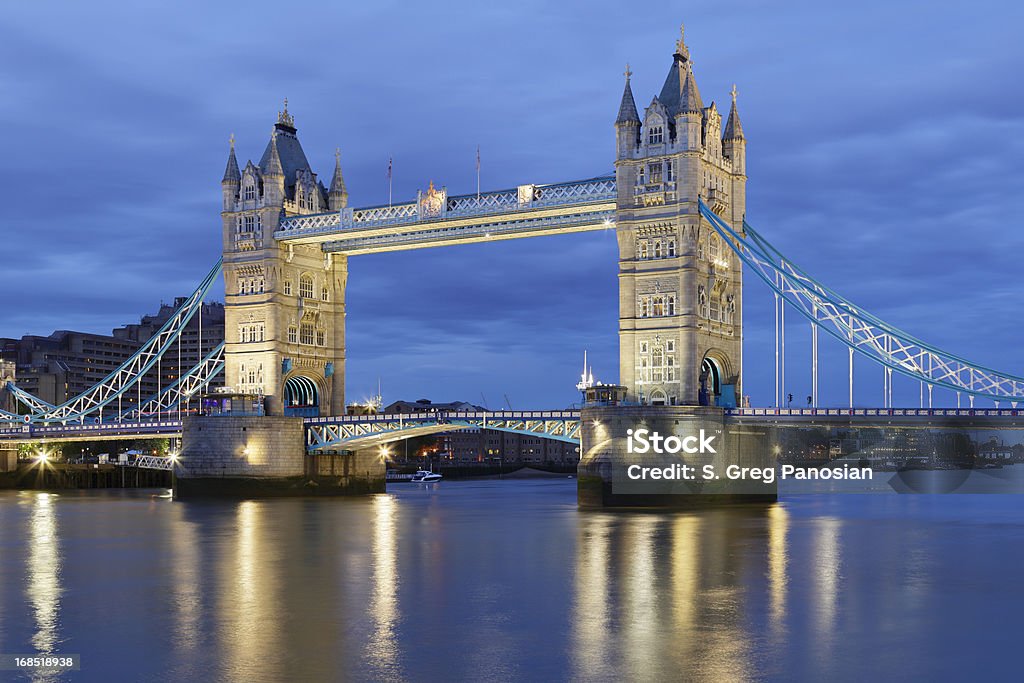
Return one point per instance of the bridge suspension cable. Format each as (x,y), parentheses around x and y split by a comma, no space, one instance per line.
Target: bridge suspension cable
(861,331)
(128,374)
(183,389)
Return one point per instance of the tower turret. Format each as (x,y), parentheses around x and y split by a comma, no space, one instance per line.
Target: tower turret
(338,195)
(627,123)
(682,98)
(273,174)
(734,145)
(232,180)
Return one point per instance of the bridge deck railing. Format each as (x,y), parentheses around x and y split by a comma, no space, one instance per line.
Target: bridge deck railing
(876,412)
(500,202)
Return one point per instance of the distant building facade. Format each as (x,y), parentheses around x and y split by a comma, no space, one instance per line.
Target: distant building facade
(488,446)
(426,406)
(469,446)
(66,363)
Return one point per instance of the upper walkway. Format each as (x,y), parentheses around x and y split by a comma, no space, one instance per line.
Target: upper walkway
(435,219)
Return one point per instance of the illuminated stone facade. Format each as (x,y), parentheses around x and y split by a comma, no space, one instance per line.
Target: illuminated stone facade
(284,303)
(680,286)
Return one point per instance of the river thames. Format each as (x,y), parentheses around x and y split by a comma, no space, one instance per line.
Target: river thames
(508,580)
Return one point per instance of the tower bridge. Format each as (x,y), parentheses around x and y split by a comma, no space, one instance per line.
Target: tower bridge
(676,203)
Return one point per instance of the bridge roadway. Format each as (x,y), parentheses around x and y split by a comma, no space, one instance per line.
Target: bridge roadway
(351,432)
(435,219)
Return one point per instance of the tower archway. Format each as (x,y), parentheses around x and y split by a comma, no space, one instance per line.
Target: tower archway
(711,374)
(301,397)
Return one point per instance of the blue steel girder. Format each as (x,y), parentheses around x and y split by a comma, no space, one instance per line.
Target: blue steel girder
(154,462)
(105,431)
(866,334)
(34,403)
(132,370)
(184,388)
(352,432)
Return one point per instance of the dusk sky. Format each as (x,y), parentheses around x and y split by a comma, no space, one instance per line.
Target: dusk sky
(885,156)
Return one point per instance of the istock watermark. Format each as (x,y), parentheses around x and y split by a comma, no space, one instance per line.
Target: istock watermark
(641,441)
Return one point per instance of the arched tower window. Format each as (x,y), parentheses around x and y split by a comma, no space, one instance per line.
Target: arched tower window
(250,191)
(658,364)
(306,333)
(324,294)
(288,287)
(306,287)
(293,335)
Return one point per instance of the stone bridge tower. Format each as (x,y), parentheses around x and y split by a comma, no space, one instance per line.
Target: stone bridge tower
(284,304)
(680,286)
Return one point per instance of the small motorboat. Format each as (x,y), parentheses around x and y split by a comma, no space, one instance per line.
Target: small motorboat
(426,477)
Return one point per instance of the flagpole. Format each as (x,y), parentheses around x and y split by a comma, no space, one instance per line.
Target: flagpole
(389,182)
(478,172)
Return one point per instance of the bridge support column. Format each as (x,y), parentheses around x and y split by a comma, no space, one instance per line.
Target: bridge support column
(620,465)
(248,456)
(8,459)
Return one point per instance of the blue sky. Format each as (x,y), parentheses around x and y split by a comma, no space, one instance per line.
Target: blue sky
(885,156)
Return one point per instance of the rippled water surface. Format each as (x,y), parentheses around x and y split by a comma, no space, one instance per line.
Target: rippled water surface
(507,580)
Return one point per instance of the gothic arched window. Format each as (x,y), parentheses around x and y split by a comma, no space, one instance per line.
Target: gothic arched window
(306,287)
(657,364)
(293,335)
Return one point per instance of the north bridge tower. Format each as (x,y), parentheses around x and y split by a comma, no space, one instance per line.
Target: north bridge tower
(284,303)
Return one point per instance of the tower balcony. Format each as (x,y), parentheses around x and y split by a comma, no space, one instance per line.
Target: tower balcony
(653,194)
(248,242)
(718,200)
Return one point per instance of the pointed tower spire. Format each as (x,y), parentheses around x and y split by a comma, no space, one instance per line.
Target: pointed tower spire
(627,108)
(680,93)
(689,100)
(338,196)
(274,167)
(733,128)
(231,173)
